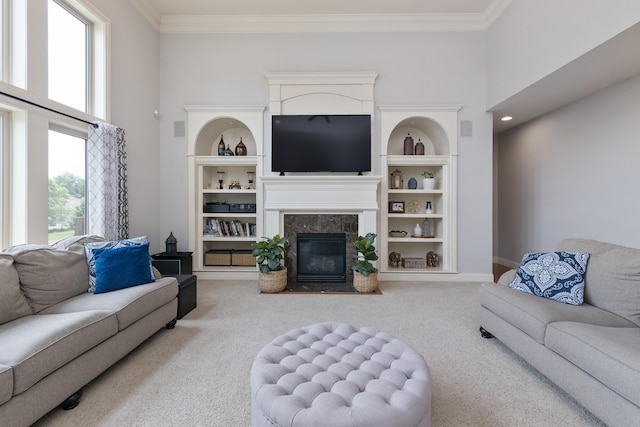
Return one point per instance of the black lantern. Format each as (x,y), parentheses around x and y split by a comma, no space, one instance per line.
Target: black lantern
(172,244)
(251,186)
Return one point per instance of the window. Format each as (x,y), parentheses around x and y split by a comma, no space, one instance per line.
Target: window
(68,56)
(66,208)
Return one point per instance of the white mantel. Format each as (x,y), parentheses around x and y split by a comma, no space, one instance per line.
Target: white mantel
(320,195)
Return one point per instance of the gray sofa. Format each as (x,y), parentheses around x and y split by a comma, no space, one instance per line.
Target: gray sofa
(55,337)
(592,351)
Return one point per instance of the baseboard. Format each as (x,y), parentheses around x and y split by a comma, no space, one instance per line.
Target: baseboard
(506,262)
(435,277)
(390,276)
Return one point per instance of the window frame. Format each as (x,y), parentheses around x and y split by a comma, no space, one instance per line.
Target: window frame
(98,56)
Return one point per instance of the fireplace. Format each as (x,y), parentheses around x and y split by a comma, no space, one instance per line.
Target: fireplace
(321,258)
(315,225)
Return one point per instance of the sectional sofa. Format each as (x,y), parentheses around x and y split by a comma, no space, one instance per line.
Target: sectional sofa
(592,350)
(55,336)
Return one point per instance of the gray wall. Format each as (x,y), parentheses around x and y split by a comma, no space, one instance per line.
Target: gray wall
(428,68)
(135,77)
(571,173)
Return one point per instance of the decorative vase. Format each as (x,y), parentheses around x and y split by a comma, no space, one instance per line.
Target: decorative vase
(412,184)
(365,284)
(426,228)
(408,145)
(221,146)
(428,183)
(419,148)
(272,281)
(241,149)
(417,231)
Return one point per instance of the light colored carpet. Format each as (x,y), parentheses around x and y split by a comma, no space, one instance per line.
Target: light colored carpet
(198,373)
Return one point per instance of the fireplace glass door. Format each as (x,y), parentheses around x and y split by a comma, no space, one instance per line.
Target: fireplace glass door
(321,257)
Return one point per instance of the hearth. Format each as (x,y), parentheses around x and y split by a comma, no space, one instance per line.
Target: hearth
(321,258)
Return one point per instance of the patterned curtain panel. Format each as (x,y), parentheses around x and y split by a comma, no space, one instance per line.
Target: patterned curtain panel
(107,200)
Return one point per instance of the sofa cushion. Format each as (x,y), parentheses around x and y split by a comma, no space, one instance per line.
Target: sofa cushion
(88,247)
(532,314)
(13,304)
(49,275)
(118,268)
(555,275)
(6,383)
(129,304)
(34,346)
(611,355)
(76,243)
(612,281)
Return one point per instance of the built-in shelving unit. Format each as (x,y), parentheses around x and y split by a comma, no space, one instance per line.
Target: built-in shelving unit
(225,217)
(403,208)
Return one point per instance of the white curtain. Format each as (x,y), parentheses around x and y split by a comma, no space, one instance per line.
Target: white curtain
(107,200)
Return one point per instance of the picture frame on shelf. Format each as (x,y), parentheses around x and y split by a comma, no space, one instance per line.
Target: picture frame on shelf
(396,207)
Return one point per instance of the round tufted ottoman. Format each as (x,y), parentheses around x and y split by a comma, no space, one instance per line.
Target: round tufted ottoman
(336,374)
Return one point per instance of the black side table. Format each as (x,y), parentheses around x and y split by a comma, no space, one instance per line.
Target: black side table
(173,264)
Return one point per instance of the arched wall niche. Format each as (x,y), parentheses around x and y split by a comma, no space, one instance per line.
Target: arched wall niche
(232,132)
(421,129)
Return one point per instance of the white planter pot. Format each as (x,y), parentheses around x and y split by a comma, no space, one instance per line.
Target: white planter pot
(428,183)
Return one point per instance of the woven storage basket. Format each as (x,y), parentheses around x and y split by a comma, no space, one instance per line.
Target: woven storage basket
(217,257)
(242,257)
(365,284)
(273,281)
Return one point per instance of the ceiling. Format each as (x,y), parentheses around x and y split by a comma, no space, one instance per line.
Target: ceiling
(320,15)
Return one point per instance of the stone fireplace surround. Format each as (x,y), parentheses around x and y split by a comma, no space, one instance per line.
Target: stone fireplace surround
(318,223)
(328,204)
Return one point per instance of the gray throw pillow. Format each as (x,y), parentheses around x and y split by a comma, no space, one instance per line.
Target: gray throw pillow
(13,304)
(48,275)
(612,281)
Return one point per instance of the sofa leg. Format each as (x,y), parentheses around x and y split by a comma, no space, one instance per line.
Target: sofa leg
(72,401)
(172,324)
(484,333)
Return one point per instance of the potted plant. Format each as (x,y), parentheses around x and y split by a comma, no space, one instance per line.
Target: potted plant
(269,253)
(365,274)
(428,181)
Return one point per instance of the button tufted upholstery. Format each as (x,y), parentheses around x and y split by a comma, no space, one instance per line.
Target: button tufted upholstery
(336,374)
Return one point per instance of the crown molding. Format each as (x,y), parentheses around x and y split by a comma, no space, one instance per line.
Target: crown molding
(320,23)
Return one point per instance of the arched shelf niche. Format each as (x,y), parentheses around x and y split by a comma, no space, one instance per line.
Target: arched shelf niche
(232,132)
(421,129)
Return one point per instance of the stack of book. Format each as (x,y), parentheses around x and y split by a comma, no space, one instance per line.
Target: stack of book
(234,228)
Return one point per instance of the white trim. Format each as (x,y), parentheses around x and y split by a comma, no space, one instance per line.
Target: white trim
(382,277)
(434,277)
(506,262)
(321,23)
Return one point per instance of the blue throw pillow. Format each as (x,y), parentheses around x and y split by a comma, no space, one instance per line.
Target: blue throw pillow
(122,267)
(555,275)
(91,262)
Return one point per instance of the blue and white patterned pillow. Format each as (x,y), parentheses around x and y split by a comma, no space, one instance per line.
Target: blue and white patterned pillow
(108,245)
(555,275)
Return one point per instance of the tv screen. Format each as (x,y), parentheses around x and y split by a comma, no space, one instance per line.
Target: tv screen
(321,143)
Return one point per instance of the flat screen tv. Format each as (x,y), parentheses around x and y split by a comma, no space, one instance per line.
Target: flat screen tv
(321,143)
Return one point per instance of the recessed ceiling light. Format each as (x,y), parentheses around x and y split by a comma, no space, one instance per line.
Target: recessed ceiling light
(506,118)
